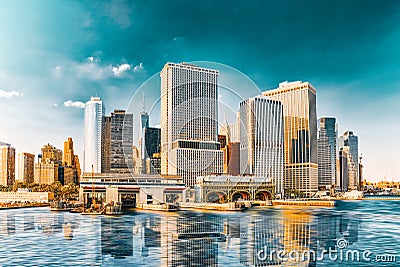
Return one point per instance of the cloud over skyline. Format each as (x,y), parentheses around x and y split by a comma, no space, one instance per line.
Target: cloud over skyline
(74,104)
(9,94)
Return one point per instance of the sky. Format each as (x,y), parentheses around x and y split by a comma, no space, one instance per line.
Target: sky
(55,55)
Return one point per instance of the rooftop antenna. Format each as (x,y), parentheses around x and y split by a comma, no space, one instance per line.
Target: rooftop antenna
(144,101)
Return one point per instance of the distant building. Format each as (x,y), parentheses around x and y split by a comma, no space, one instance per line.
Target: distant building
(7,164)
(189,144)
(151,144)
(327,152)
(26,196)
(49,168)
(46,172)
(230,146)
(71,163)
(106,145)
(117,142)
(261,139)
(51,154)
(94,113)
(300,145)
(136,160)
(344,170)
(26,164)
(349,140)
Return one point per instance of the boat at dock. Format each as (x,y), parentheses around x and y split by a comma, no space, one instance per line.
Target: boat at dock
(60,206)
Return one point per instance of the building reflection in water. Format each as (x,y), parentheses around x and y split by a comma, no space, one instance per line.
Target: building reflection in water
(331,228)
(7,224)
(29,223)
(150,234)
(191,239)
(202,239)
(116,237)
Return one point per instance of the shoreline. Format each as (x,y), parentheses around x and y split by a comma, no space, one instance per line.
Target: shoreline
(38,205)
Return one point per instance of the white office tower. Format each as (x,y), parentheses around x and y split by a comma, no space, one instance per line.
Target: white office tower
(94,112)
(189,140)
(261,139)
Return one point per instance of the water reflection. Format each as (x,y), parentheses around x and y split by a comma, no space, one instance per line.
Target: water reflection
(178,239)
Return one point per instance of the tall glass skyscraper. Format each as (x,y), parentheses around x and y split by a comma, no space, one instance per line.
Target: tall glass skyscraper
(189,113)
(94,113)
(300,120)
(327,152)
(261,139)
(121,141)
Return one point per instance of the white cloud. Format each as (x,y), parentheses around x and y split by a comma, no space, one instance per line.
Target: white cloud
(75,104)
(55,105)
(93,59)
(9,94)
(120,69)
(138,67)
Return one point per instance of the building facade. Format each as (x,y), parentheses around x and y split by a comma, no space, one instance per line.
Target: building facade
(7,164)
(26,164)
(151,145)
(121,141)
(349,141)
(94,113)
(189,113)
(261,139)
(300,140)
(327,152)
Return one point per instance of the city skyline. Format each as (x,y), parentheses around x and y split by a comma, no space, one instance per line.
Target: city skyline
(356,75)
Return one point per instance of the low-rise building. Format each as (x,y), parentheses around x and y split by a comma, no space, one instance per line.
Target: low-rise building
(226,188)
(25,196)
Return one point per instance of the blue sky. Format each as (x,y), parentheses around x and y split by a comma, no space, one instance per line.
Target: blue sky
(54,55)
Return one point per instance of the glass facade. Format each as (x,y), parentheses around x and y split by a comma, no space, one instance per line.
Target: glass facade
(327,152)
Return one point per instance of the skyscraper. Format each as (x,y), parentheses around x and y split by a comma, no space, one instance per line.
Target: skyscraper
(300,143)
(26,162)
(49,168)
(7,164)
(348,139)
(189,145)
(68,155)
(71,163)
(261,139)
(121,142)
(151,145)
(94,112)
(327,152)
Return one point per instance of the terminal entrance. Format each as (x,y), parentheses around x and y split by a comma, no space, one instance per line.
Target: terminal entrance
(263,196)
(128,200)
(240,196)
(216,197)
